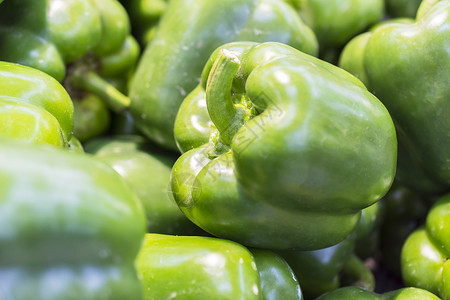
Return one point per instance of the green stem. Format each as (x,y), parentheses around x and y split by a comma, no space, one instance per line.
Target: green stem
(220,105)
(355,273)
(93,83)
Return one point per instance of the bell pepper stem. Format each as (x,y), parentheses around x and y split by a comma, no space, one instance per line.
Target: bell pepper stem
(218,95)
(355,273)
(93,83)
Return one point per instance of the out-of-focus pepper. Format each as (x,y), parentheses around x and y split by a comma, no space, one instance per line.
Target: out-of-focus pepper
(145,16)
(361,294)
(287,128)
(70,227)
(34,107)
(335,22)
(187,35)
(147,171)
(406,67)
(66,30)
(425,257)
(402,8)
(84,44)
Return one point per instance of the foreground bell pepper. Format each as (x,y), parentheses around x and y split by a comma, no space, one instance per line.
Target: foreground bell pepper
(289,127)
(180,267)
(70,227)
(425,257)
(277,279)
(361,294)
(34,107)
(406,67)
(147,170)
(187,35)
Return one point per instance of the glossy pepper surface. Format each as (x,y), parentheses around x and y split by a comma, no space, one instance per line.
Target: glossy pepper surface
(196,268)
(180,267)
(293,127)
(70,227)
(187,35)
(361,294)
(147,169)
(407,67)
(34,107)
(277,279)
(425,257)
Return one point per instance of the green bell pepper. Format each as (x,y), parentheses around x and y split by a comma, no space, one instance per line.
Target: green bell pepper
(335,22)
(180,267)
(70,227)
(277,279)
(34,107)
(289,127)
(147,171)
(145,16)
(425,257)
(84,44)
(68,30)
(187,35)
(356,293)
(406,67)
(91,117)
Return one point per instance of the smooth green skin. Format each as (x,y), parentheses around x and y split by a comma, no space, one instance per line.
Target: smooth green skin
(49,34)
(147,170)
(313,208)
(75,145)
(277,279)
(188,33)
(26,48)
(91,117)
(425,258)
(352,56)
(69,219)
(29,123)
(115,26)
(335,22)
(414,58)
(39,89)
(402,8)
(181,267)
(122,61)
(361,294)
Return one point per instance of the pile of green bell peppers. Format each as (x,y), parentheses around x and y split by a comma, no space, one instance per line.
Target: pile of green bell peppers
(255,149)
